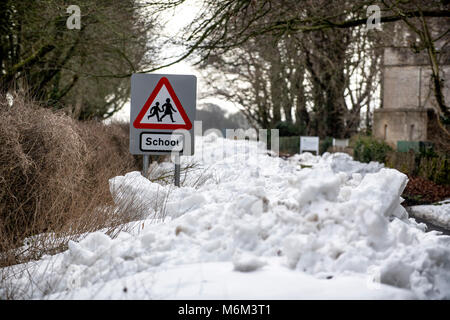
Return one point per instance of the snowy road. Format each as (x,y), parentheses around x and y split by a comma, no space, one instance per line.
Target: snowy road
(430,223)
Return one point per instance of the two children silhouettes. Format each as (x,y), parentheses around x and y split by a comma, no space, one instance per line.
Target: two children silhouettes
(166,108)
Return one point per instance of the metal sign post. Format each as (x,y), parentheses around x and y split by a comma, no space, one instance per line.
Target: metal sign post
(145,165)
(162,113)
(177,170)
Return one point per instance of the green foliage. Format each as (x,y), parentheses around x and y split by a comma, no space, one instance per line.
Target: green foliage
(436,169)
(369,149)
(324,144)
(290,145)
(445,120)
(288,129)
(427,164)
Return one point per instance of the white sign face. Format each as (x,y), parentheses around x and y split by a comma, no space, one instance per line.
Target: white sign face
(340,143)
(309,144)
(164,142)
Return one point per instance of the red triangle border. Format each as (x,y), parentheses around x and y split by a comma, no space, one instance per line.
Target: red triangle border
(137,122)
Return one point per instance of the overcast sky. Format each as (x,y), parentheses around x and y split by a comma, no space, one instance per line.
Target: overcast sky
(176,20)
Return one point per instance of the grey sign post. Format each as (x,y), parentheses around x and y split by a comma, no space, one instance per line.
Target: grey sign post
(162,115)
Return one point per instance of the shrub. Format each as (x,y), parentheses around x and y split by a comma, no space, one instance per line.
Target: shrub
(368,149)
(54,175)
(426,164)
(436,169)
(288,129)
(325,144)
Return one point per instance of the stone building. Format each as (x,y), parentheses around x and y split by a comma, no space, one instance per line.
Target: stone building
(407,95)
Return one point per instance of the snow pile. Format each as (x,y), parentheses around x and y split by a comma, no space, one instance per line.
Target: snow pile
(338,220)
(338,162)
(438,214)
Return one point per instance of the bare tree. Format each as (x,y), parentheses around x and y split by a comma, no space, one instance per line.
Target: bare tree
(225,25)
(317,83)
(69,68)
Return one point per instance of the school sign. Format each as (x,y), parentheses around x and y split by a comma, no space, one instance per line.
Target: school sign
(162,114)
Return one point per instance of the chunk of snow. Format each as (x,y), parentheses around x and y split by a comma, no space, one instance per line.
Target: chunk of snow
(247,262)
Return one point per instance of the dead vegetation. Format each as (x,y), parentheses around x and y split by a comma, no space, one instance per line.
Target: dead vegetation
(54,174)
(422,191)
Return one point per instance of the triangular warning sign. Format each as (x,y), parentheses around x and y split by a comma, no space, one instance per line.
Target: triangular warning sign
(162,110)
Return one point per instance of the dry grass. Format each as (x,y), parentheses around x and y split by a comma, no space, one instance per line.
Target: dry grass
(54,175)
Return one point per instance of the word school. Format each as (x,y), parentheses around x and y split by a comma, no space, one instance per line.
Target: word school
(160,142)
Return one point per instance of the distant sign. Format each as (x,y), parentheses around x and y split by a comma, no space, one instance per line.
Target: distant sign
(309,144)
(340,143)
(161,104)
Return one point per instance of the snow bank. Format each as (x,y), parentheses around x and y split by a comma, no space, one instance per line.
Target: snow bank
(438,214)
(337,219)
(338,162)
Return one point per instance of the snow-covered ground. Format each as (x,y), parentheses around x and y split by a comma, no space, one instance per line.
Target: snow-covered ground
(437,214)
(248,225)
